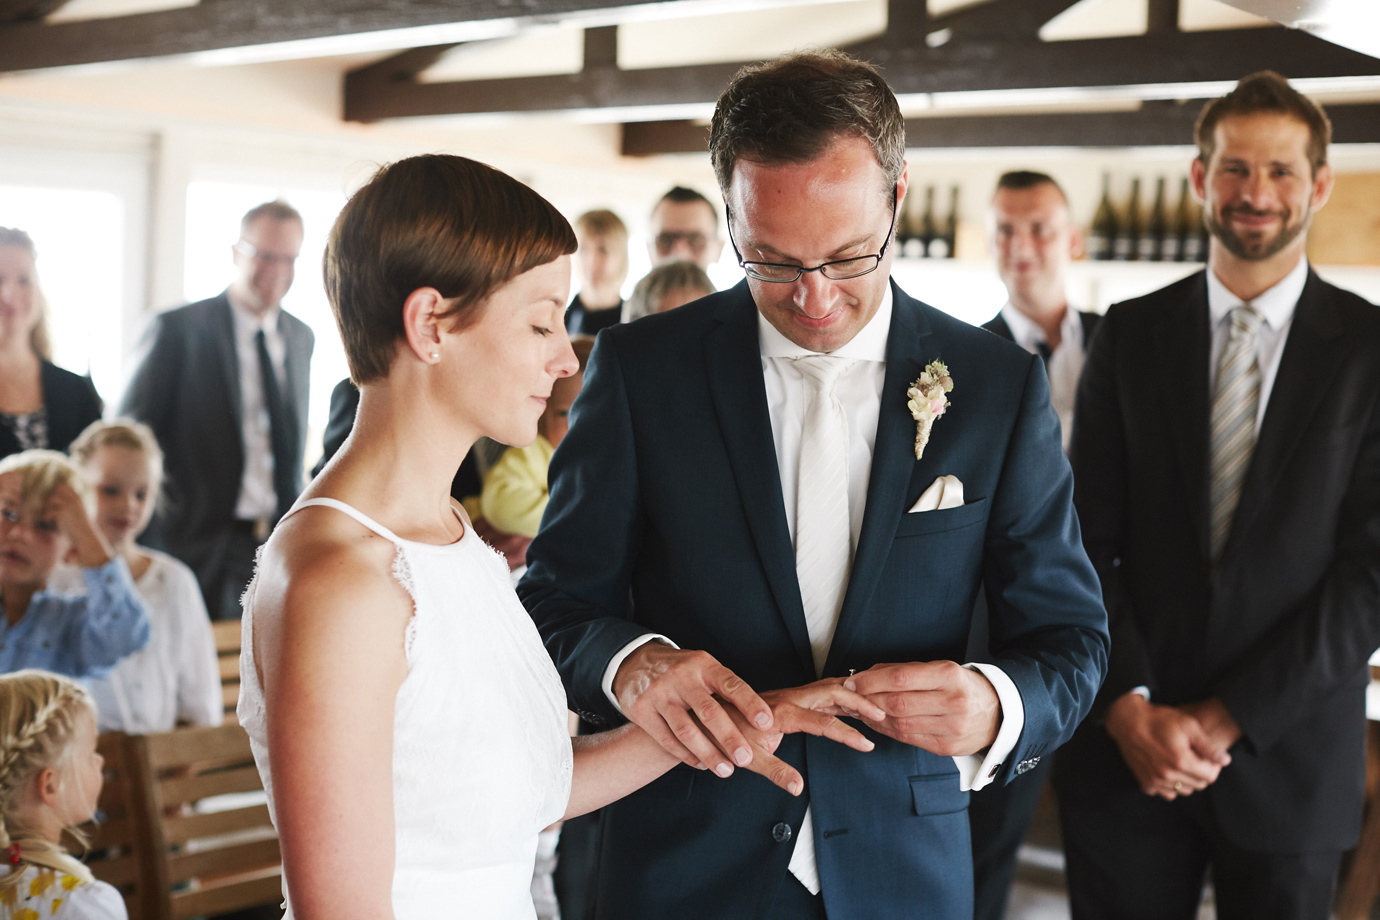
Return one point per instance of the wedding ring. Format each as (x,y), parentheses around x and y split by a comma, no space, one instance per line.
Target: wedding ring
(1178,786)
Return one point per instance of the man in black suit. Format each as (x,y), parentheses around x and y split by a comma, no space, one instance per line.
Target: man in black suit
(1227,452)
(223,383)
(1034,239)
(741,503)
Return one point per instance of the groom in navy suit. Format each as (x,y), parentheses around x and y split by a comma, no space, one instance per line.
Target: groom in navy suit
(739,504)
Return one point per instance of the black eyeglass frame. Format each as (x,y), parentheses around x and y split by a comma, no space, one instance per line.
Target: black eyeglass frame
(800,269)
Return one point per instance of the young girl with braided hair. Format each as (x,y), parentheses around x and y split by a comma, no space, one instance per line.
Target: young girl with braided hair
(50,780)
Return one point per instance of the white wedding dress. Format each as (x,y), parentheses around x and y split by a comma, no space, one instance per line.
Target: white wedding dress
(481,754)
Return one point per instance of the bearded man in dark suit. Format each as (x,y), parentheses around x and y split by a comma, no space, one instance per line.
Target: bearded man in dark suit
(1227,451)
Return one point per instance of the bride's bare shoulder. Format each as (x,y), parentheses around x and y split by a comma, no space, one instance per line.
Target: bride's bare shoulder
(321,568)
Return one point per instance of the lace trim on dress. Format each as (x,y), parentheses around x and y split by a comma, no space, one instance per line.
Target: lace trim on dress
(402,571)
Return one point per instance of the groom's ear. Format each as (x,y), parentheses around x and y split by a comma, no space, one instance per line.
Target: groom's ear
(423,312)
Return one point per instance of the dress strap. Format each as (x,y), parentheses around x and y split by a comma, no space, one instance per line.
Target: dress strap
(353,512)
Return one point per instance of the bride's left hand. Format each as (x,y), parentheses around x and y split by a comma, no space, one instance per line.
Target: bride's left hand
(812,709)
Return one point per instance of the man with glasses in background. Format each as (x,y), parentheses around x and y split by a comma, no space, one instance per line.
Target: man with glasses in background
(684,227)
(745,503)
(223,383)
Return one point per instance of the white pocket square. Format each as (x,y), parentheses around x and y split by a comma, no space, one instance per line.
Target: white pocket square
(944,492)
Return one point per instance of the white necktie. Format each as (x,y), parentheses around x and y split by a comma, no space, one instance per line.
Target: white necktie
(822,537)
(1235,404)
(823,554)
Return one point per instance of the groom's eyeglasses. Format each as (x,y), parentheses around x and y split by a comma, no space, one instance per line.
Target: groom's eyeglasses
(839,270)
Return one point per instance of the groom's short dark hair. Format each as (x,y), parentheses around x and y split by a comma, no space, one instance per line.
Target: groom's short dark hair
(437,221)
(790,109)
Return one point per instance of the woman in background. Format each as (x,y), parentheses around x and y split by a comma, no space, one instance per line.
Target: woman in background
(41,405)
(174,680)
(601,267)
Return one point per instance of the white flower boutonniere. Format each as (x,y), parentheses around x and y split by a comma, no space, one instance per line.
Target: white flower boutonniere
(927,400)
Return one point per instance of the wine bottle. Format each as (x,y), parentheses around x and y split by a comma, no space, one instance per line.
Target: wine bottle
(1196,240)
(927,231)
(942,246)
(1172,248)
(1103,232)
(1124,250)
(907,244)
(1152,238)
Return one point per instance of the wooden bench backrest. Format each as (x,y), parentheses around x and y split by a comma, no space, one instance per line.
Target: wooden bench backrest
(118,837)
(227,633)
(214,848)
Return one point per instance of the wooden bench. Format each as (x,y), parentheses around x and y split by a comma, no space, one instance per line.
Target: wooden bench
(203,844)
(227,633)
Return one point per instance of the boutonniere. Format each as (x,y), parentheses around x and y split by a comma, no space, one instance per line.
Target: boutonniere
(927,399)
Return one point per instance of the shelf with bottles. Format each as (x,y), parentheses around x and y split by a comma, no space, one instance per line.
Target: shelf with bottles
(924,236)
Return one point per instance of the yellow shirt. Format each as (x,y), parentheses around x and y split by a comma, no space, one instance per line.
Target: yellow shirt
(515,491)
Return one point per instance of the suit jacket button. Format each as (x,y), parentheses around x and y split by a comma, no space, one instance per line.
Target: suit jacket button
(781,833)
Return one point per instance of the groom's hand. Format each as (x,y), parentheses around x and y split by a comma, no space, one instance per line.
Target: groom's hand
(670,694)
(811,709)
(940,706)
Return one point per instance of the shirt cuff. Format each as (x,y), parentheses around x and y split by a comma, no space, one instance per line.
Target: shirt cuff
(106,577)
(617,661)
(978,770)
(1142,691)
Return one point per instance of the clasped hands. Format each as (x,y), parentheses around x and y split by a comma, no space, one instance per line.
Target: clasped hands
(1172,750)
(709,718)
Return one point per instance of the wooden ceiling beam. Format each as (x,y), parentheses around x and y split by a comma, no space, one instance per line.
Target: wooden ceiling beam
(216,25)
(960,65)
(1156,124)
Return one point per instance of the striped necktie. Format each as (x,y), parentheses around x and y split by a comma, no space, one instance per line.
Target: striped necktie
(1235,404)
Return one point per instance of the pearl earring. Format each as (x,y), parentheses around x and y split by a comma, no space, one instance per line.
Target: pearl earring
(435,355)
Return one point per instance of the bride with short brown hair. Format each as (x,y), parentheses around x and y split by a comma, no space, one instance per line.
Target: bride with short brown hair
(409,726)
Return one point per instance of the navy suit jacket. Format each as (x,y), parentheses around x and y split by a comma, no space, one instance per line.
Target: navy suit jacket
(666,516)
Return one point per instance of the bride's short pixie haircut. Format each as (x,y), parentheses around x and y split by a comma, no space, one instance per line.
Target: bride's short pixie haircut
(437,221)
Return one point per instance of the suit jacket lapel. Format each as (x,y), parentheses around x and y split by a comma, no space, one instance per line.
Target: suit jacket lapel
(1306,369)
(893,463)
(224,337)
(733,361)
(1183,338)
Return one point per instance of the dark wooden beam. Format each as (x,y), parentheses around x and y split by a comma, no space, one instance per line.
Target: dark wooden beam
(648,138)
(27,10)
(601,47)
(1162,16)
(1156,124)
(219,24)
(1177,57)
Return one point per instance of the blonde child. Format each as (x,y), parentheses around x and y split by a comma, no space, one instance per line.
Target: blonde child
(175,678)
(43,517)
(515,491)
(50,780)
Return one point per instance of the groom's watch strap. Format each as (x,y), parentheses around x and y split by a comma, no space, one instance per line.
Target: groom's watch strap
(620,656)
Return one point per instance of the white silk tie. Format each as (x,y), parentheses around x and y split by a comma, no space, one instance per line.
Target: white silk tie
(823,551)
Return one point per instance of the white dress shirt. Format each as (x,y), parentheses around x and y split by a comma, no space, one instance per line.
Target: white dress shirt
(175,678)
(1276,305)
(257,498)
(1064,364)
(860,389)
